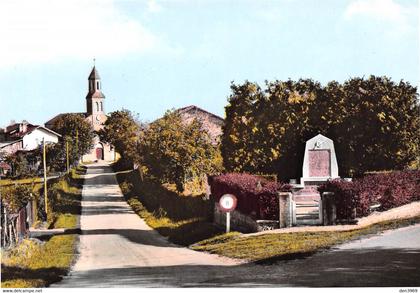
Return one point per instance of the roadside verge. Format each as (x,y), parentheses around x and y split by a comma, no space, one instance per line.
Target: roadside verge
(38,262)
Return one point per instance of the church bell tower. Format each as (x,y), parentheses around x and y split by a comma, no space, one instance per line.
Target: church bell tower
(95,100)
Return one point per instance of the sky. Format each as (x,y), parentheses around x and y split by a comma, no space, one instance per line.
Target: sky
(155,55)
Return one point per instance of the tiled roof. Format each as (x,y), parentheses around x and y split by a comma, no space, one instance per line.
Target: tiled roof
(195,108)
(19,134)
(96,94)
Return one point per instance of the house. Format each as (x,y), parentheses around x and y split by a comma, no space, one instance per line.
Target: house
(23,139)
(24,136)
(210,122)
(95,115)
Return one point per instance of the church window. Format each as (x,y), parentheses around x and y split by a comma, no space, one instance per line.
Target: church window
(102,107)
(97,85)
(97,106)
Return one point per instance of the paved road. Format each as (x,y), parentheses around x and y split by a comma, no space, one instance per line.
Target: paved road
(117,249)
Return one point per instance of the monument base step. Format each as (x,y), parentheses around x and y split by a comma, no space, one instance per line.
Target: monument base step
(308,222)
(306,199)
(307,204)
(307,211)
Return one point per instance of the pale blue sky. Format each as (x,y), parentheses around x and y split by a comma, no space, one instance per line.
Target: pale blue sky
(157,55)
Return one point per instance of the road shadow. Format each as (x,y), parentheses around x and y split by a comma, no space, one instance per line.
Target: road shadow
(161,276)
(350,268)
(138,236)
(106,210)
(104,197)
(374,267)
(97,167)
(104,178)
(144,237)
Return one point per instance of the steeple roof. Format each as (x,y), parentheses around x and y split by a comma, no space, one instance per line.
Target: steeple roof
(94,74)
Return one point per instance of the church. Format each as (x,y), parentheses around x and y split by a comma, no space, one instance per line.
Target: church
(95,115)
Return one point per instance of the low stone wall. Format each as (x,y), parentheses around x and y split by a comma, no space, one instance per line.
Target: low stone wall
(238,221)
(267,225)
(244,223)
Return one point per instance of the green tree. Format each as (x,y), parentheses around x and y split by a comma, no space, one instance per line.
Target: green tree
(380,128)
(175,152)
(56,155)
(20,164)
(122,130)
(238,140)
(78,132)
(374,123)
(264,130)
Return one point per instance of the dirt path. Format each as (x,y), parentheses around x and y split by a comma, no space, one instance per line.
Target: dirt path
(115,239)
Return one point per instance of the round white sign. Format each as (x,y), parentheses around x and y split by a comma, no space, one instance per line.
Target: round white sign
(228,202)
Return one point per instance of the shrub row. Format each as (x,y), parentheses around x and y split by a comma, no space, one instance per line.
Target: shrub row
(259,202)
(389,190)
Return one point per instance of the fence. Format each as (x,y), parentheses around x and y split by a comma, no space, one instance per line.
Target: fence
(15,226)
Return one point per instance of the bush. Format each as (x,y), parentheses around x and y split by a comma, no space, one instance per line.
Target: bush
(259,203)
(390,190)
(16,196)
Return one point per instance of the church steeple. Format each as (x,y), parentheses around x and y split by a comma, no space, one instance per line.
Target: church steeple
(95,97)
(94,80)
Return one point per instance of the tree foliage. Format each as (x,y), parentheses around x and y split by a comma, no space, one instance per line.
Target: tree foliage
(25,164)
(175,152)
(79,134)
(122,131)
(373,122)
(16,196)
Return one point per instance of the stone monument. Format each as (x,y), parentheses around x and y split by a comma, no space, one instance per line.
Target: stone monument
(319,162)
(319,165)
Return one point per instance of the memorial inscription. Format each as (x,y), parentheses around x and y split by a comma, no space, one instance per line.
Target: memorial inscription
(319,163)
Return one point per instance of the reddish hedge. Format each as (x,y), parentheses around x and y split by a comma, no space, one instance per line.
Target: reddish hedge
(387,189)
(261,204)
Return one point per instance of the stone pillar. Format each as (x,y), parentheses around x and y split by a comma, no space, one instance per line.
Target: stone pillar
(284,209)
(293,213)
(321,211)
(329,210)
(333,211)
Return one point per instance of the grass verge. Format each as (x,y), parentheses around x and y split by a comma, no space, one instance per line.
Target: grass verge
(272,247)
(184,219)
(33,180)
(34,263)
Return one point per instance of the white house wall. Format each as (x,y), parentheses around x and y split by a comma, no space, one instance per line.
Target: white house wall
(32,140)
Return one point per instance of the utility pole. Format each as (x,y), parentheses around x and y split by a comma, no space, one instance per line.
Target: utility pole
(67,154)
(77,146)
(45,176)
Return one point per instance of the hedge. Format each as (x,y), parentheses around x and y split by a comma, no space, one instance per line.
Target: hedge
(389,190)
(259,204)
